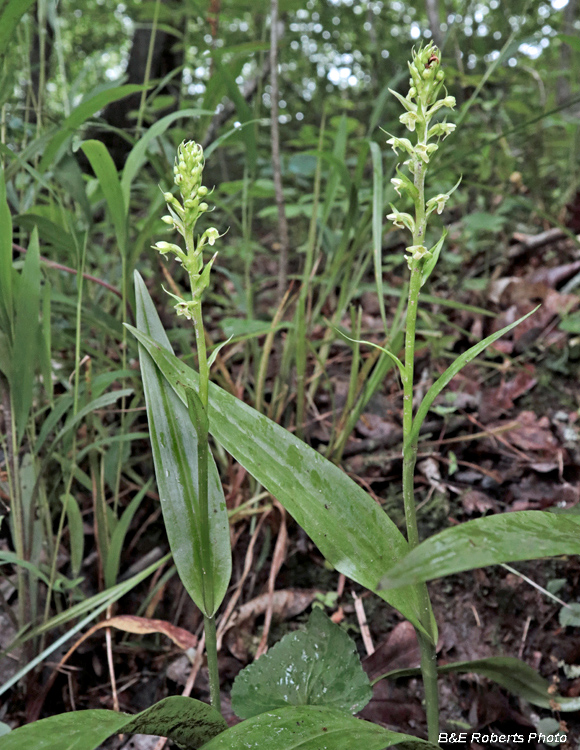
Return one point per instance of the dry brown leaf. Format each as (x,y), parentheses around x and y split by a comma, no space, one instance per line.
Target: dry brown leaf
(286,603)
(497,401)
(533,433)
(475,501)
(399,650)
(144,626)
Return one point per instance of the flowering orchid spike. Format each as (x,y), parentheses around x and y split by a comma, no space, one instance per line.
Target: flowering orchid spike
(183,216)
(426,98)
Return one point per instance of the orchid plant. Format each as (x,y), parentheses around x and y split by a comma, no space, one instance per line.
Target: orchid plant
(305,690)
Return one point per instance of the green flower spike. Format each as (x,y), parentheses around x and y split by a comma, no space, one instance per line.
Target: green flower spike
(183,216)
(421,104)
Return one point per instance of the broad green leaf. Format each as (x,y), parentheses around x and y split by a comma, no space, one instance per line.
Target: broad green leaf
(26,325)
(348,526)
(10,16)
(452,371)
(512,674)
(174,442)
(79,115)
(506,537)
(187,721)
(310,728)
(106,173)
(138,155)
(318,666)
(6,310)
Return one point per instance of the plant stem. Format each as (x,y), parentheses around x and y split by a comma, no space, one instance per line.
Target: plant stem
(428,648)
(429,674)
(212,661)
(203,473)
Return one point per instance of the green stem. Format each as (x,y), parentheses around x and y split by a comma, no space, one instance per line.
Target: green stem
(212,661)
(203,474)
(429,674)
(428,648)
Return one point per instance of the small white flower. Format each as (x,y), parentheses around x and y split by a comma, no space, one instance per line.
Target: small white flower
(437,202)
(401,219)
(417,251)
(212,235)
(398,184)
(424,151)
(401,143)
(408,119)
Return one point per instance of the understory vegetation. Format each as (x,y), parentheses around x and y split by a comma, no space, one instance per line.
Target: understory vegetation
(289,328)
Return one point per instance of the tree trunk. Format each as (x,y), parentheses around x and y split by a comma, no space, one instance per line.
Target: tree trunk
(434,22)
(121,114)
(563,90)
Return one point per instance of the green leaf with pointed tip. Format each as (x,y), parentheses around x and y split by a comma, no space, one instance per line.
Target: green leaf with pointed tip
(311,728)
(10,15)
(174,442)
(507,537)
(106,173)
(348,526)
(430,264)
(452,371)
(188,722)
(138,155)
(79,115)
(318,666)
(512,674)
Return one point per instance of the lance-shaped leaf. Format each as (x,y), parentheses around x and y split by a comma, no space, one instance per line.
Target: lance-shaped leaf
(348,526)
(452,371)
(507,537)
(188,722)
(431,262)
(204,567)
(512,674)
(311,728)
(106,173)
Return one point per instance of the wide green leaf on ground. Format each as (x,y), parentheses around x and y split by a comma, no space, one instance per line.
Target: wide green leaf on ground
(204,568)
(512,674)
(188,722)
(507,537)
(351,530)
(311,728)
(318,666)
